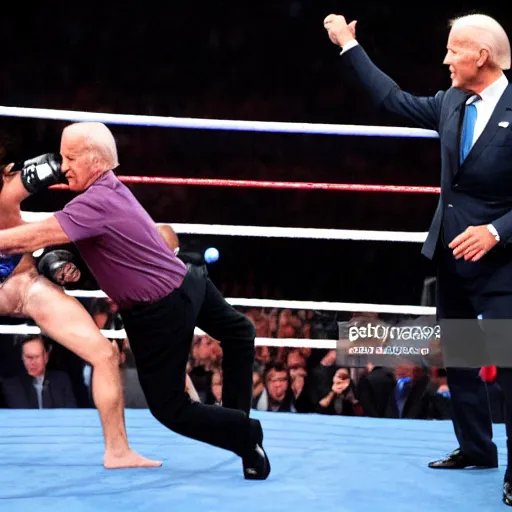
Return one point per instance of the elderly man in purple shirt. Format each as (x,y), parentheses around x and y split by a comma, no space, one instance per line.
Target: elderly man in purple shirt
(24,293)
(161,299)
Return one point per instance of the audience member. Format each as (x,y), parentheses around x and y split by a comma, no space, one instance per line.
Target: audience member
(341,399)
(38,388)
(374,389)
(279,395)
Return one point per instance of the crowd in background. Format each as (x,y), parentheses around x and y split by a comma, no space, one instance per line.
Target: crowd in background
(266,61)
(38,373)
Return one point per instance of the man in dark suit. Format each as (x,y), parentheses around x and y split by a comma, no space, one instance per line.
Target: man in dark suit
(470,235)
(38,388)
(415,396)
(374,390)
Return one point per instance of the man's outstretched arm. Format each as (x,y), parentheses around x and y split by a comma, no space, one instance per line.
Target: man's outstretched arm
(32,236)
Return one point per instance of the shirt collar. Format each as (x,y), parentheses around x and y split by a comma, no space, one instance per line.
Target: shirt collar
(492,93)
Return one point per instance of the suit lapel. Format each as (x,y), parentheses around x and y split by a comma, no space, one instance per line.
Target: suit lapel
(490,129)
(45,394)
(30,390)
(452,135)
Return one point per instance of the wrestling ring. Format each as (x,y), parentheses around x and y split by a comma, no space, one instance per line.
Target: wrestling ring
(51,459)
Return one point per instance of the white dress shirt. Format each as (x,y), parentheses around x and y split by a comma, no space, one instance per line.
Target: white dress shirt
(489,98)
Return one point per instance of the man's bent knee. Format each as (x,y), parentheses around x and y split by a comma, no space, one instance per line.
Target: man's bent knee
(104,354)
(169,410)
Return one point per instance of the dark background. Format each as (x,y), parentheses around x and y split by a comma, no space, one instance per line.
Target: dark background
(270,61)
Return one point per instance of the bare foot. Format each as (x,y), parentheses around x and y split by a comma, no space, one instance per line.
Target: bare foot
(129,459)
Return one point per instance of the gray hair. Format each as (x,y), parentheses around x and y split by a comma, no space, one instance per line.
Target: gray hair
(98,139)
(490,35)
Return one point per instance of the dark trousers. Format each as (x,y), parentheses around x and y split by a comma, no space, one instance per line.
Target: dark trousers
(464,291)
(160,336)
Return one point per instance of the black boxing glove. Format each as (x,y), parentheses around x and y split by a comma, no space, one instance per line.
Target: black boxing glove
(41,172)
(59,267)
(63,265)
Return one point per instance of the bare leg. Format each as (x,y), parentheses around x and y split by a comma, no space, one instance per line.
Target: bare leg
(64,319)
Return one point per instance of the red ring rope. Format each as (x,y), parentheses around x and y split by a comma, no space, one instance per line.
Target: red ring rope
(274,184)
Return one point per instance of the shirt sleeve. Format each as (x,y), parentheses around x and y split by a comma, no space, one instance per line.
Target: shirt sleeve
(82,218)
(351,44)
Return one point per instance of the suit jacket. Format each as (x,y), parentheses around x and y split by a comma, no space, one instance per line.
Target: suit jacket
(19,392)
(374,390)
(422,402)
(477,192)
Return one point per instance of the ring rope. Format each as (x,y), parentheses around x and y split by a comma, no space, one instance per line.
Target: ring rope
(264,231)
(121,334)
(310,233)
(276,232)
(217,124)
(353,307)
(282,185)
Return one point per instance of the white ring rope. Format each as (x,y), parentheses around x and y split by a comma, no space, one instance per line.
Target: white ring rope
(277,232)
(121,334)
(217,124)
(311,233)
(353,307)
(263,231)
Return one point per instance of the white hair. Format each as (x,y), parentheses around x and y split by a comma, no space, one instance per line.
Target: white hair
(98,139)
(489,34)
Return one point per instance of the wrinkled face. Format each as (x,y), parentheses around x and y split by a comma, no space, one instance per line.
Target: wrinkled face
(462,58)
(76,162)
(35,358)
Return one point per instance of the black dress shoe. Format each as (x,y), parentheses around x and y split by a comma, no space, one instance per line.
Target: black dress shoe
(507,494)
(457,460)
(256,464)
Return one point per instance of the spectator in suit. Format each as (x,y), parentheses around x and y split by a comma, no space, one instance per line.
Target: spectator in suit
(64,360)
(38,388)
(374,390)
(415,396)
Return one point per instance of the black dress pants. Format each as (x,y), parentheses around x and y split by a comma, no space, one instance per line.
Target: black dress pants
(160,336)
(466,290)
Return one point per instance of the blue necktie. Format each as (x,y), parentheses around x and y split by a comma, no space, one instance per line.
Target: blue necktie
(401,392)
(468,131)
